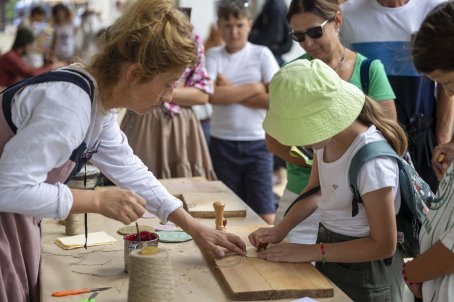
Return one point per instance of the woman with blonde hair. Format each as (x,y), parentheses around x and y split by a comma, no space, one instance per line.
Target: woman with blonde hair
(56,122)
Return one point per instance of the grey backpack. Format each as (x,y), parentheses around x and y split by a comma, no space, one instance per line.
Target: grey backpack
(416,196)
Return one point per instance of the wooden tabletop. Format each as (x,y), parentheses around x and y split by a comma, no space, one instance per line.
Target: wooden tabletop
(103,266)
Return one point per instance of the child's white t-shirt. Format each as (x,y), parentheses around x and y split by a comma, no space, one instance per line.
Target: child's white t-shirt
(252,64)
(335,205)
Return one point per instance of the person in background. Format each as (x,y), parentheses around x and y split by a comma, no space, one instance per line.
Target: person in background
(63,44)
(384,29)
(431,275)
(12,66)
(86,36)
(39,55)
(240,99)
(337,120)
(204,111)
(58,124)
(271,29)
(169,139)
(315,26)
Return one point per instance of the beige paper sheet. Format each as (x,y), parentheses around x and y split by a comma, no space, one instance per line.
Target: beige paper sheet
(78,241)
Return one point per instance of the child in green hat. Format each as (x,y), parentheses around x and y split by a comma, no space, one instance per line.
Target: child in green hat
(335,119)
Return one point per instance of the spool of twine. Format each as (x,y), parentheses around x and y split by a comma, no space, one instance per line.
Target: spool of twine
(72,225)
(150,277)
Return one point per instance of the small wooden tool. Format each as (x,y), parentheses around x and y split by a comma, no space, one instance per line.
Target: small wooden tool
(219,215)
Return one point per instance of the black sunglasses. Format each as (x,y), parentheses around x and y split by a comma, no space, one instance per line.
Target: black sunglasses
(237,3)
(313,33)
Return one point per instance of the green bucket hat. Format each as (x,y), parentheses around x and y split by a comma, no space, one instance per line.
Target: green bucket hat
(310,103)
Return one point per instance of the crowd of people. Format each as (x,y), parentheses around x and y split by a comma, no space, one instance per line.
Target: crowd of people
(48,38)
(222,112)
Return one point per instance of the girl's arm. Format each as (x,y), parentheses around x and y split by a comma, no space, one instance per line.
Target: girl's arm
(381,243)
(297,213)
(304,208)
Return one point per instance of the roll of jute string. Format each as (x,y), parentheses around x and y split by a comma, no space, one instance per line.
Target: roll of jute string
(150,276)
(86,179)
(72,225)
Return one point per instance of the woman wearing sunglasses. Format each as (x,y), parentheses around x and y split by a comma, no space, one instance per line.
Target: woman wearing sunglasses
(315,26)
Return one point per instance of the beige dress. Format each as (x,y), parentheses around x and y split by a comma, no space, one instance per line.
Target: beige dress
(169,145)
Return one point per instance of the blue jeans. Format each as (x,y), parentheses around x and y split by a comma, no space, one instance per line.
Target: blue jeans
(246,167)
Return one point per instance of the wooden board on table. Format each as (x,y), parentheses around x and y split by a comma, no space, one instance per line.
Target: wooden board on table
(178,186)
(200,204)
(248,278)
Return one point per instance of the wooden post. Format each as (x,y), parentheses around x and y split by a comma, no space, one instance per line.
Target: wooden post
(219,214)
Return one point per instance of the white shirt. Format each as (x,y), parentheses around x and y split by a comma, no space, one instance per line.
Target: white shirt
(52,120)
(252,64)
(439,225)
(335,204)
(384,24)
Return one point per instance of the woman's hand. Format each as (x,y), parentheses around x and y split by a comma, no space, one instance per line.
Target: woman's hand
(442,157)
(208,239)
(122,205)
(266,235)
(211,241)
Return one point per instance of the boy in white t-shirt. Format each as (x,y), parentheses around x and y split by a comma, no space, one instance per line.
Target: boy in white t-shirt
(237,145)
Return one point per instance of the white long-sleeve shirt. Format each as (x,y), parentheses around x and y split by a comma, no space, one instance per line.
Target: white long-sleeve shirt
(53,119)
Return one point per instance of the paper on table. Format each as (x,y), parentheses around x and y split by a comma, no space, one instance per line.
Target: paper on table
(305,299)
(74,242)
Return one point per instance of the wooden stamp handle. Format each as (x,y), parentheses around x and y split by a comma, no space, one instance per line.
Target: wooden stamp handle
(219,214)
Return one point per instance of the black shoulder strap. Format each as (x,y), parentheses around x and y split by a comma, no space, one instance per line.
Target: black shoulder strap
(66,75)
(302,196)
(365,153)
(364,74)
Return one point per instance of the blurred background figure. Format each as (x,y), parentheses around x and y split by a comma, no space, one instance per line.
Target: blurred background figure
(271,29)
(86,36)
(13,68)
(43,34)
(384,30)
(63,45)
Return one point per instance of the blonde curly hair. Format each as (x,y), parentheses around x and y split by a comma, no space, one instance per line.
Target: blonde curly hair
(154,34)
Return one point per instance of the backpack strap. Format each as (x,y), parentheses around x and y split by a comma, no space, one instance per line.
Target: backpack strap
(302,196)
(365,153)
(62,75)
(364,74)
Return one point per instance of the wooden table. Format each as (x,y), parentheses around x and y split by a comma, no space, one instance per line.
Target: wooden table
(103,266)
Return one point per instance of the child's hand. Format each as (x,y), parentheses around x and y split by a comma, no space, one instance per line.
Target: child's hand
(266,235)
(286,252)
